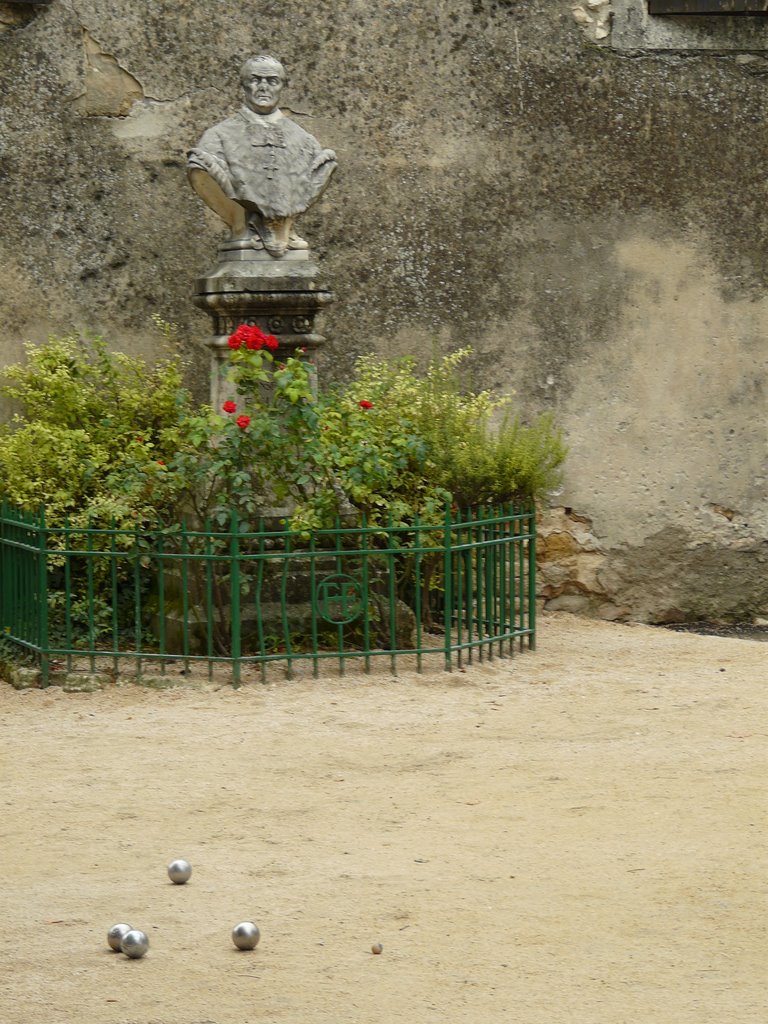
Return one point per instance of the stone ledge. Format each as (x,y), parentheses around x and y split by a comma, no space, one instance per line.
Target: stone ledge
(83,682)
(634,29)
(159,682)
(22,677)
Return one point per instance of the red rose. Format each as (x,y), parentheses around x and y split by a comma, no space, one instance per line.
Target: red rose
(243,421)
(229,406)
(365,404)
(248,335)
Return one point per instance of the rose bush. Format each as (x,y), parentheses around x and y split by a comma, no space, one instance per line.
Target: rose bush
(390,444)
(102,437)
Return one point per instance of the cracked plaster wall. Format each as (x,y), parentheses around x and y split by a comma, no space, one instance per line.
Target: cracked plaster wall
(592,219)
(108,89)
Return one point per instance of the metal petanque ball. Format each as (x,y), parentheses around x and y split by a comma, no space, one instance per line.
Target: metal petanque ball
(116,934)
(246,935)
(179,871)
(135,944)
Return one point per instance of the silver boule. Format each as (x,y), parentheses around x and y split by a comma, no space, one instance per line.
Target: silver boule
(246,935)
(116,934)
(179,871)
(135,944)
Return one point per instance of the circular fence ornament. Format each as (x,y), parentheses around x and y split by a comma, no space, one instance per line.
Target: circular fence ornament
(339,598)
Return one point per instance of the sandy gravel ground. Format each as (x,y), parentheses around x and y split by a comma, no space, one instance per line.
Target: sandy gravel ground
(576,836)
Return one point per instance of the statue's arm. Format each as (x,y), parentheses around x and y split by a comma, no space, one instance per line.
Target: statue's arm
(325,156)
(208,155)
(209,176)
(231,212)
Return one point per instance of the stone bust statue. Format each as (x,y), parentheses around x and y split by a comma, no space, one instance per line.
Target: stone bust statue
(258,170)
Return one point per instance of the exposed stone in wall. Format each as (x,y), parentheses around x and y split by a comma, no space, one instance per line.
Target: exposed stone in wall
(14,16)
(594,16)
(717,573)
(569,561)
(110,90)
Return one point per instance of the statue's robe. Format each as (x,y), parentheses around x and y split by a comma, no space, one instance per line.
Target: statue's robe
(265,163)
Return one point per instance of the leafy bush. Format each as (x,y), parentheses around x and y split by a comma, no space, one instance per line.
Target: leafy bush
(467,456)
(90,442)
(93,432)
(104,437)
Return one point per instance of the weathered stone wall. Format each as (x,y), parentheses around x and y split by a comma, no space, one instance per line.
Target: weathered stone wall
(591,217)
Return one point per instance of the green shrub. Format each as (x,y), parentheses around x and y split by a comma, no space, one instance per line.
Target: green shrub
(103,437)
(90,442)
(92,433)
(464,454)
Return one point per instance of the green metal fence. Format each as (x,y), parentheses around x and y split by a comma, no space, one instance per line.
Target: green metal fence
(459,590)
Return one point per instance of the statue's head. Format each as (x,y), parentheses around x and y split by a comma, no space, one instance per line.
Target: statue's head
(262,79)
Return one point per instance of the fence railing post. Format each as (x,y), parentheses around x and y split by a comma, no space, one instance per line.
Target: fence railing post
(42,597)
(448,578)
(5,570)
(532,577)
(234,596)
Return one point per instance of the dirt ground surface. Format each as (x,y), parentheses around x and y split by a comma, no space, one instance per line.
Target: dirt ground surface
(577,835)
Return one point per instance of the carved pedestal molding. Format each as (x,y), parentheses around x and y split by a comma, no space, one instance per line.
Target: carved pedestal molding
(248,286)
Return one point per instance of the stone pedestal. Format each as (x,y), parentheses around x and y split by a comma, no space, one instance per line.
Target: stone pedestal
(279,295)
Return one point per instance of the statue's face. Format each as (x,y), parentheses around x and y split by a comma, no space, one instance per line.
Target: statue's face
(262,84)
